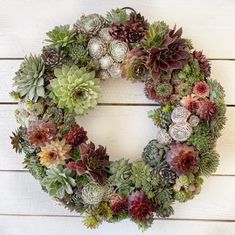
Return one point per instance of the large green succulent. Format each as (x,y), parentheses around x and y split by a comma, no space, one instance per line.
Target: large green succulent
(75,89)
(143,177)
(121,176)
(59,182)
(29,79)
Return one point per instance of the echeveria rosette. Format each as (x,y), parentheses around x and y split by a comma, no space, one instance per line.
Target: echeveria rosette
(59,182)
(29,79)
(75,89)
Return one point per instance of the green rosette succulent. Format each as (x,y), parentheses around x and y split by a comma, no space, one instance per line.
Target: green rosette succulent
(59,182)
(143,177)
(29,79)
(121,176)
(75,89)
(187,186)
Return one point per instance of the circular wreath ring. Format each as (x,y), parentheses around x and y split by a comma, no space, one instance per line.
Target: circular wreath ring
(64,81)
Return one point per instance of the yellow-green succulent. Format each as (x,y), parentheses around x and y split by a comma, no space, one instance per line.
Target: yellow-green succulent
(75,89)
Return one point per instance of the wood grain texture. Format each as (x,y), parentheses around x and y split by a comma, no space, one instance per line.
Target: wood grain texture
(120,90)
(23,195)
(114,127)
(53,225)
(210,25)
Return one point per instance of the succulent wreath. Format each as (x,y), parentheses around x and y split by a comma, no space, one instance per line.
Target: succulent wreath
(63,82)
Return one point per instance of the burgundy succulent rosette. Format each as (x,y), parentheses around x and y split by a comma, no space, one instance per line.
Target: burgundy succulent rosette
(64,82)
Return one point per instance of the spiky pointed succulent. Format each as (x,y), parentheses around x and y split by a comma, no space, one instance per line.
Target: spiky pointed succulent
(93,162)
(29,79)
(60,36)
(172,55)
(75,89)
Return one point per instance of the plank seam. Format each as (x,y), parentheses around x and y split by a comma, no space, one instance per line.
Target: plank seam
(160,219)
(116,104)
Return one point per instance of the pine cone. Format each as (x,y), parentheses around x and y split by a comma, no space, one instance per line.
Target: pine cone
(154,152)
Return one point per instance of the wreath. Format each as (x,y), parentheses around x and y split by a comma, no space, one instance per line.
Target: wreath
(64,81)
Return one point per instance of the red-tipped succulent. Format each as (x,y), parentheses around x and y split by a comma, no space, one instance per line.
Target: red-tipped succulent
(40,133)
(201,89)
(93,162)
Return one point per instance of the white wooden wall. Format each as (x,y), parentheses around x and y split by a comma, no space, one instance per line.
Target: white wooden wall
(120,121)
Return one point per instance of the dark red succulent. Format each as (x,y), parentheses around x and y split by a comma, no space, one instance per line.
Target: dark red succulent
(203,107)
(76,136)
(172,55)
(132,31)
(203,63)
(93,162)
(119,205)
(140,207)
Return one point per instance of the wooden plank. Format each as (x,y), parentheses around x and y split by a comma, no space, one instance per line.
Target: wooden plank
(59,226)
(24,23)
(22,195)
(120,90)
(114,127)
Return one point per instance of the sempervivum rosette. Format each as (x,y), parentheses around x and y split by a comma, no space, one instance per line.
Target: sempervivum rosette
(64,82)
(75,89)
(93,161)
